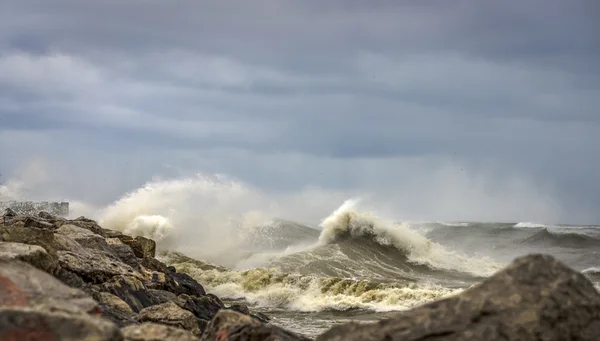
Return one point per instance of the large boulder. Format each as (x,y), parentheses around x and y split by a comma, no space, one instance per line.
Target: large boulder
(32,254)
(124,252)
(36,306)
(204,307)
(535,298)
(143,247)
(115,309)
(131,290)
(229,325)
(84,237)
(149,331)
(94,266)
(170,314)
(85,223)
(29,235)
(187,285)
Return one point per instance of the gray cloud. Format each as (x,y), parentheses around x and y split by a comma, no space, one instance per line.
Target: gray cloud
(381,97)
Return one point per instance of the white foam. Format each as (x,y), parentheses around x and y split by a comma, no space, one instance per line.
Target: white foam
(528,225)
(420,250)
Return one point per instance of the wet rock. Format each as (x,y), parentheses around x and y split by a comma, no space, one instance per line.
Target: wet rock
(115,309)
(187,285)
(229,325)
(240,308)
(170,314)
(143,247)
(204,307)
(155,264)
(216,299)
(38,223)
(124,252)
(156,332)
(131,290)
(32,254)
(162,296)
(535,298)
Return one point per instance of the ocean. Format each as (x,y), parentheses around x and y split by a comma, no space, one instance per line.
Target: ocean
(353,265)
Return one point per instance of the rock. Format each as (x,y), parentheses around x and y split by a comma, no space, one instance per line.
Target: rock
(84,223)
(46,215)
(32,254)
(162,296)
(229,325)
(216,299)
(26,324)
(143,247)
(115,309)
(21,284)
(170,314)
(27,235)
(9,212)
(260,317)
(94,266)
(187,285)
(124,252)
(162,281)
(38,223)
(131,290)
(535,298)
(156,332)
(36,306)
(240,308)
(84,237)
(155,264)
(204,307)
(108,233)
(171,269)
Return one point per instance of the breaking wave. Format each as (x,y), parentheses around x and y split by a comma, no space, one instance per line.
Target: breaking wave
(528,225)
(562,239)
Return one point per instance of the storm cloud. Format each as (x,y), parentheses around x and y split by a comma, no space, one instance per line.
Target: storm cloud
(435,110)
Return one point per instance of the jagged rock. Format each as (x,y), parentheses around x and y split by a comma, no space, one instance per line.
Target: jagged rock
(143,247)
(229,325)
(155,264)
(38,223)
(204,307)
(115,309)
(187,285)
(32,254)
(92,265)
(216,299)
(156,332)
(21,285)
(84,237)
(84,223)
(46,215)
(108,233)
(170,314)
(26,324)
(240,308)
(162,296)
(27,235)
(535,298)
(124,252)
(131,290)
(9,212)
(162,281)
(36,306)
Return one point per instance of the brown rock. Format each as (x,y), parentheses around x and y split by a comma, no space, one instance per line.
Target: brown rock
(131,290)
(204,307)
(32,254)
(535,298)
(170,314)
(84,237)
(142,247)
(28,235)
(83,222)
(229,325)
(156,332)
(115,309)
(94,266)
(124,252)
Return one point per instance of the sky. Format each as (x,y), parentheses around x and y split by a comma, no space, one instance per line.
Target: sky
(447,110)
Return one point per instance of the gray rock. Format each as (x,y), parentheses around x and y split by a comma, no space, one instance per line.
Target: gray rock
(115,309)
(35,304)
(229,325)
(32,254)
(85,223)
(162,296)
(187,285)
(156,332)
(535,298)
(38,223)
(28,235)
(143,247)
(94,266)
(131,290)
(84,237)
(124,252)
(203,307)
(170,314)
(27,324)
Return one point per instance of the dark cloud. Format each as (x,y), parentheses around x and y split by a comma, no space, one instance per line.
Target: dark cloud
(346,95)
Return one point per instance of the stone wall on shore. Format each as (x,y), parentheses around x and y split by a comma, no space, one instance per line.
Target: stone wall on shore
(34,207)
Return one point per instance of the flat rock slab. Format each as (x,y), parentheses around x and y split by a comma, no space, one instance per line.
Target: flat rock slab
(156,332)
(535,298)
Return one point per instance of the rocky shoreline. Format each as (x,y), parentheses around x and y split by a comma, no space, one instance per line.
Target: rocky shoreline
(74,280)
